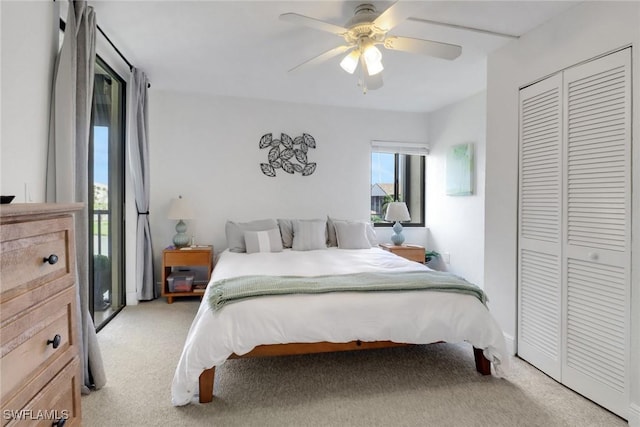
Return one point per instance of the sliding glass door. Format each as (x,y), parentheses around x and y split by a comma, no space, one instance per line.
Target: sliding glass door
(106,182)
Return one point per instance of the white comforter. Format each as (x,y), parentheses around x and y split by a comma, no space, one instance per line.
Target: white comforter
(417,317)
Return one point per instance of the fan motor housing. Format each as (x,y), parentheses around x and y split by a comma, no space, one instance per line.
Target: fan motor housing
(361,25)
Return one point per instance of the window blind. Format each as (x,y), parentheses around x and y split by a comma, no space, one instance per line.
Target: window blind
(413,148)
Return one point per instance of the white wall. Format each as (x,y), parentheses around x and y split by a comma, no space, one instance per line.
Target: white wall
(585,31)
(456,224)
(205,148)
(29,37)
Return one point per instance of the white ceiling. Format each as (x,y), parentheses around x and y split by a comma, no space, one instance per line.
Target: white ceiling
(241,48)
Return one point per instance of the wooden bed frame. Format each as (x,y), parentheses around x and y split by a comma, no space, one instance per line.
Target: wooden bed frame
(207,377)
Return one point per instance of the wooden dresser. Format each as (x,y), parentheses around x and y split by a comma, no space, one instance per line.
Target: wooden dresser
(40,374)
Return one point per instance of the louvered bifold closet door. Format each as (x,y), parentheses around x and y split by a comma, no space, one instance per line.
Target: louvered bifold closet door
(597,230)
(540,220)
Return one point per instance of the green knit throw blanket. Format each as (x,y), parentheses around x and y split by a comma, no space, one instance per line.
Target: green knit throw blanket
(239,288)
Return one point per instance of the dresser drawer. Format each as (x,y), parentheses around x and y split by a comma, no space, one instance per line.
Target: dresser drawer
(56,401)
(25,246)
(25,352)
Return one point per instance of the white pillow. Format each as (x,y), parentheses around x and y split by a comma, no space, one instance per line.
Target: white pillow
(286,230)
(309,234)
(263,241)
(371,234)
(333,241)
(351,235)
(235,232)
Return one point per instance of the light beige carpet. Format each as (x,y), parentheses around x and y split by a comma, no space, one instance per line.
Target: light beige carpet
(434,385)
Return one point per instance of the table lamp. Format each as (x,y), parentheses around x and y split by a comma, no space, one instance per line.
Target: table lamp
(397,211)
(179,210)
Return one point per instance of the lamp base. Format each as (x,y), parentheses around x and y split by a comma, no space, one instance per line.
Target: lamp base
(180,239)
(397,238)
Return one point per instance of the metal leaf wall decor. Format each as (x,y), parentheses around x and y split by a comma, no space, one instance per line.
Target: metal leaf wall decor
(288,154)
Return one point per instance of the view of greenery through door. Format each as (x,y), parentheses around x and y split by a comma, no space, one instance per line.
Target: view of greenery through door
(106,181)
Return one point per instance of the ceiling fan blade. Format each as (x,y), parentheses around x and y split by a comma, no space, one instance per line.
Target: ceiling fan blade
(370,82)
(424,47)
(464,27)
(322,57)
(395,14)
(295,18)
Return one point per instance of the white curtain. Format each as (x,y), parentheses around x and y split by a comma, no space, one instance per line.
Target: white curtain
(138,149)
(68,162)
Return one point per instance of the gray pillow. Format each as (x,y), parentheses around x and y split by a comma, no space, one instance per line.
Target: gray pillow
(333,241)
(263,241)
(371,234)
(331,231)
(309,234)
(235,232)
(351,235)
(286,230)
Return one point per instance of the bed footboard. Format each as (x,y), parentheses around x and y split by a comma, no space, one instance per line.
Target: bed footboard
(207,377)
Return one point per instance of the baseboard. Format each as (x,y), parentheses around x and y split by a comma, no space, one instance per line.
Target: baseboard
(511,344)
(634,415)
(132,298)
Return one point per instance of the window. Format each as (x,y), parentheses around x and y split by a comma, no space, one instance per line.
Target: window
(397,177)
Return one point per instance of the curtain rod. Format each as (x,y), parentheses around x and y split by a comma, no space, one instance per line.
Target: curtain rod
(63,25)
(115,48)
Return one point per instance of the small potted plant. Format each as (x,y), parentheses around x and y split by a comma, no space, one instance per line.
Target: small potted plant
(101,282)
(430,255)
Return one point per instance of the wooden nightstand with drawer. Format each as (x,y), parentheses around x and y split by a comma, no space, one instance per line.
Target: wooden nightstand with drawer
(40,372)
(201,256)
(410,252)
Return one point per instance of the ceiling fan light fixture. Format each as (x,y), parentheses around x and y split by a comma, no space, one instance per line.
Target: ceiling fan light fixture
(371,53)
(350,62)
(366,29)
(373,57)
(374,67)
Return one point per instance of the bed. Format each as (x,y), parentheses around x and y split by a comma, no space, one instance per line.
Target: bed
(332,321)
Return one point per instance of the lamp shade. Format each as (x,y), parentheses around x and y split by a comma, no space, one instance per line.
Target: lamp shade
(397,211)
(350,62)
(373,58)
(180,209)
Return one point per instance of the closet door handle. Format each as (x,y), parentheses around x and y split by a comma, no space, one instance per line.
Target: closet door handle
(593,256)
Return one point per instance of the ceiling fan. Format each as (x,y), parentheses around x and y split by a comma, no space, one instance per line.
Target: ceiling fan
(366,30)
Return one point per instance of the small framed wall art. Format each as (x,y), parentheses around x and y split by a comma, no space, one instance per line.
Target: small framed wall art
(460,170)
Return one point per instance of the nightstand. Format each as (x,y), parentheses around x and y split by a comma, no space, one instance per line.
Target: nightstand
(188,257)
(410,252)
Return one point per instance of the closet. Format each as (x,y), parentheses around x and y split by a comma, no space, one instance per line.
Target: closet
(574,230)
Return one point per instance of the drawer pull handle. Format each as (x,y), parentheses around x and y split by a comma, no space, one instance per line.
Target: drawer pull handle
(59,423)
(52,259)
(55,342)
